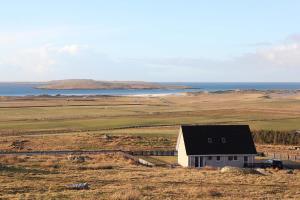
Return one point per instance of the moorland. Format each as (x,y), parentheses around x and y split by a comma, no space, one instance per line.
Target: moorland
(137,123)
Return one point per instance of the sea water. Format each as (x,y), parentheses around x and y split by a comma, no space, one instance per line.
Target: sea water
(28,89)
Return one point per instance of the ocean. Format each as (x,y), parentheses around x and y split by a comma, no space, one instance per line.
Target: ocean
(28,89)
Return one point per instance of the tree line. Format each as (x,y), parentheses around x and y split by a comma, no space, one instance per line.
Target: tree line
(276,137)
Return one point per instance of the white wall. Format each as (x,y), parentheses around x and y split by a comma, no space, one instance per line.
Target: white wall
(224,161)
(183,159)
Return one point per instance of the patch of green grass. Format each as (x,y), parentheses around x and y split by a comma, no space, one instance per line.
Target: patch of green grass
(98,124)
(259,113)
(281,125)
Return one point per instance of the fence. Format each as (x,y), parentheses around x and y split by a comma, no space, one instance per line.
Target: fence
(281,156)
(152,153)
(133,153)
(63,152)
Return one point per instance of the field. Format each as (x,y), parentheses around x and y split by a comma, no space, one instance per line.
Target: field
(136,123)
(114,177)
(55,123)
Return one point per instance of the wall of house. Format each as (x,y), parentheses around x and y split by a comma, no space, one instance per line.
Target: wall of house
(224,161)
(183,159)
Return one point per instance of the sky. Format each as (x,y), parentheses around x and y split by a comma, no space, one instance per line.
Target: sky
(150,40)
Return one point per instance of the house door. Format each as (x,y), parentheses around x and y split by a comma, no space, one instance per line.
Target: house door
(201,161)
(196,161)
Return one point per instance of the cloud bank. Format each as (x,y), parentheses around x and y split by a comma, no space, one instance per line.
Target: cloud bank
(41,59)
(273,62)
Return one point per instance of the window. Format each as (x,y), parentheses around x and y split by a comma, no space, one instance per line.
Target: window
(218,158)
(223,140)
(230,158)
(209,157)
(234,157)
(209,140)
(245,158)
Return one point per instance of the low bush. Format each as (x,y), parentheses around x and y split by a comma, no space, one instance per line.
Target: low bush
(95,167)
(276,137)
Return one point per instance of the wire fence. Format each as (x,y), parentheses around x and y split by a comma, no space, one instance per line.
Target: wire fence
(153,153)
(281,156)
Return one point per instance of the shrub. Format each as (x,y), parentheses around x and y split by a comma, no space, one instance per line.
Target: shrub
(214,193)
(95,167)
(276,137)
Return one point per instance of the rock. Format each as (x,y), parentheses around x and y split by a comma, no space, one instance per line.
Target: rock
(237,170)
(290,171)
(262,171)
(77,159)
(78,186)
(106,137)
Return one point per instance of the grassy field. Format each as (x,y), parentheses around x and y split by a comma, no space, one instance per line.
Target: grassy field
(116,178)
(53,123)
(136,123)
(46,114)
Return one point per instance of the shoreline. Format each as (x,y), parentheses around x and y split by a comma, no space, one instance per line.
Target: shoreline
(179,93)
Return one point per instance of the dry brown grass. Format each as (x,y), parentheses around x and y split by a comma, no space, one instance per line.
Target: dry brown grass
(203,192)
(129,194)
(11,159)
(209,168)
(88,141)
(51,163)
(75,123)
(34,179)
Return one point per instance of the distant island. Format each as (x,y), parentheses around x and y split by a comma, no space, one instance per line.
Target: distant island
(89,84)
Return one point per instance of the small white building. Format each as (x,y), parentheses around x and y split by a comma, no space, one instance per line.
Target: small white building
(215,145)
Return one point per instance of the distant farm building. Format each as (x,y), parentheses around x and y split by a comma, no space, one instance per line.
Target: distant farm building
(215,145)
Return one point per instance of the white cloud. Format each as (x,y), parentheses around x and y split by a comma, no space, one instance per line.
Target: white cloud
(281,55)
(294,37)
(285,55)
(36,60)
(276,62)
(269,62)
(40,59)
(71,49)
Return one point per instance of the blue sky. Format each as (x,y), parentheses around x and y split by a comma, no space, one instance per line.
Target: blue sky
(147,40)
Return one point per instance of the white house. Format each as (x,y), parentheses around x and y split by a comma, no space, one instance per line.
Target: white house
(215,145)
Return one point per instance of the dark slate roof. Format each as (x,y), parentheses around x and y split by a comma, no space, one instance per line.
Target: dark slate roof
(218,139)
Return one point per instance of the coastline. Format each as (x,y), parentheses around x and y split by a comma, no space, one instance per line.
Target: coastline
(157,95)
(194,88)
(160,93)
